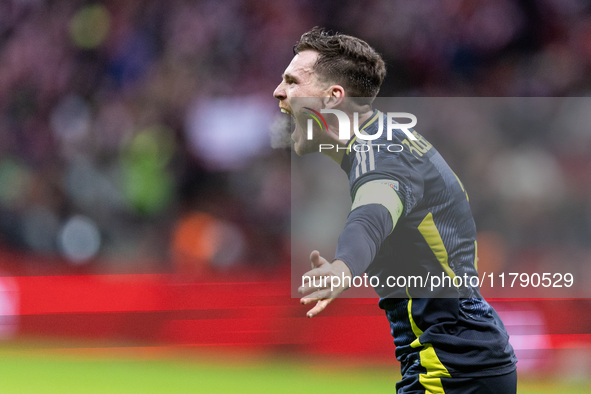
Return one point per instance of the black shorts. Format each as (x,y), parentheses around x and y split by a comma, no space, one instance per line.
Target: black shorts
(502,384)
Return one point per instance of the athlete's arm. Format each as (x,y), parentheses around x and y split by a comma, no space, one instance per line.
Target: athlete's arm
(375,211)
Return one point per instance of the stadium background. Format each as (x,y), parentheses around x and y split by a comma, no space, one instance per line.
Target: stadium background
(144,214)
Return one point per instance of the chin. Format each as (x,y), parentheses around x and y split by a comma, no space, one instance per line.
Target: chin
(298,150)
(304,147)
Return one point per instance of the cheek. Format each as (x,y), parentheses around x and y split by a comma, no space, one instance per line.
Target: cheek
(301,91)
(293,90)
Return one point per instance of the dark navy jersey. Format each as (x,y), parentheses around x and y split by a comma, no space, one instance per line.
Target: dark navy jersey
(442,331)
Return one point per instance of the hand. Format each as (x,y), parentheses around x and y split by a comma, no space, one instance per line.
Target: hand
(322,273)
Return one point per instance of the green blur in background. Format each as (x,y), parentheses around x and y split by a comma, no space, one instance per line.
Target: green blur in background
(35,370)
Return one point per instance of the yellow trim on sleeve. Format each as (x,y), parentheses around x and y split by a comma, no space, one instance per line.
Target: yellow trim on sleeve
(462,186)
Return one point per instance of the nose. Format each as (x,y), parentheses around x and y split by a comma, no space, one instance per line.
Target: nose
(279,92)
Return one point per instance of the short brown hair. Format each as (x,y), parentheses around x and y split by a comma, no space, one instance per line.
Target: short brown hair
(346,60)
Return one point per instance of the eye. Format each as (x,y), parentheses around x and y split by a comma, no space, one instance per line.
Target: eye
(290,81)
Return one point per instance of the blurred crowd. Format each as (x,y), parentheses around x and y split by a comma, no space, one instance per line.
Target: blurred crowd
(134,135)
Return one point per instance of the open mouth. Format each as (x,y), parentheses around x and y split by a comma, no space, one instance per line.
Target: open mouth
(285,111)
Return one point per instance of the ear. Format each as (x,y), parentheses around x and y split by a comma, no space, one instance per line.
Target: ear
(336,94)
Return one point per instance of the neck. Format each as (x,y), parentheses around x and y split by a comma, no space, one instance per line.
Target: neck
(340,149)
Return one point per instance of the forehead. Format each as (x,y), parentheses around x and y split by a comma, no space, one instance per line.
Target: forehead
(302,64)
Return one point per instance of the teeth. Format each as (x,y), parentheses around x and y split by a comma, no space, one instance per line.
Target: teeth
(284,111)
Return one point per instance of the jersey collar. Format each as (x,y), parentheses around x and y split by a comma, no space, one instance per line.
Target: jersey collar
(372,120)
(346,162)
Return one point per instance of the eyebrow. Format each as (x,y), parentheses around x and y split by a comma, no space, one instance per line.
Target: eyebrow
(289,77)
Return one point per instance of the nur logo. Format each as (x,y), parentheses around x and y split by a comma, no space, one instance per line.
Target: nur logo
(345,124)
(317,117)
